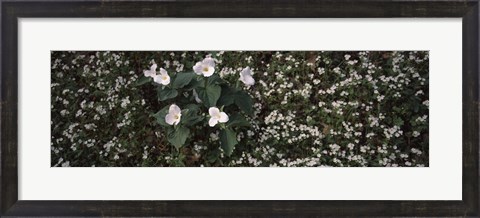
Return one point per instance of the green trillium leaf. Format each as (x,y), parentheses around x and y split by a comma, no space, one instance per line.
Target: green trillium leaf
(210,94)
(244,102)
(194,83)
(237,120)
(160,116)
(228,140)
(166,93)
(143,80)
(227,97)
(182,79)
(179,136)
(190,115)
(215,79)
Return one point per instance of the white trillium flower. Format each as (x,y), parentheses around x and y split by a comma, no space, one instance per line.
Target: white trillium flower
(174,115)
(163,78)
(216,116)
(246,76)
(205,67)
(152,72)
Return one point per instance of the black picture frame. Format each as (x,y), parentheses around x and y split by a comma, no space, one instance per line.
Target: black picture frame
(468,10)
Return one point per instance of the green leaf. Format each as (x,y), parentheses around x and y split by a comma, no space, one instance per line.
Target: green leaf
(213,156)
(193,119)
(179,136)
(227,97)
(142,80)
(190,115)
(193,107)
(228,140)
(182,79)
(213,94)
(194,83)
(166,93)
(244,102)
(237,120)
(210,94)
(215,79)
(160,116)
(398,121)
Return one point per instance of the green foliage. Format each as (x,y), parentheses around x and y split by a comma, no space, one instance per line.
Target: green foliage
(227,97)
(182,79)
(143,80)
(160,116)
(237,120)
(210,94)
(244,102)
(228,140)
(178,136)
(210,90)
(165,93)
(191,116)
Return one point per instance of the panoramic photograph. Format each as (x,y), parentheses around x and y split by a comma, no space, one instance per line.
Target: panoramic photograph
(239,109)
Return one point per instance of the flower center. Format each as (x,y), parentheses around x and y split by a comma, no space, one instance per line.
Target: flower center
(177,117)
(205,69)
(164,78)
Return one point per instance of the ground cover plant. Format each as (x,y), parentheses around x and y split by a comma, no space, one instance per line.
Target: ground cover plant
(239,108)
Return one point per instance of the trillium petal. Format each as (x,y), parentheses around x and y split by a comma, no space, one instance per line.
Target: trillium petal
(153,68)
(209,62)
(160,79)
(246,72)
(163,78)
(170,119)
(165,81)
(174,109)
(212,122)
(157,79)
(249,80)
(210,72)
(149,73)
(177,120)
(163,72)
(223,117)
(214,112)
(246,76)
(198,68)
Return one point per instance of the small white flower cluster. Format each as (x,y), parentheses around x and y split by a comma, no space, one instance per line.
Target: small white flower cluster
(392,132)
(364,122)
(422,118)
(92,95)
